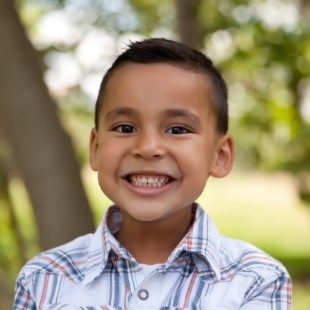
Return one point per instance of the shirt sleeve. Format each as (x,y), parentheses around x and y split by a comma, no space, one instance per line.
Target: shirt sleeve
(274,293)
(23,299)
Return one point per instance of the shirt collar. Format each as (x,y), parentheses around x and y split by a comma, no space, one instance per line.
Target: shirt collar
(202,239)
(102,244)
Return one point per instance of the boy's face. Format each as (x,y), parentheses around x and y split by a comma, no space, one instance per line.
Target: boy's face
(156,144)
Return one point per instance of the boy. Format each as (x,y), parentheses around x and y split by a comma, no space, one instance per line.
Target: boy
(160,131)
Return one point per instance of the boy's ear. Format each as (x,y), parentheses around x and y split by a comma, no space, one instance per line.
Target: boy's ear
(93,149)
(224,157)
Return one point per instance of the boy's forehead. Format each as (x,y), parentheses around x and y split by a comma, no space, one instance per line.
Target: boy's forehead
(159,79)
(163,70)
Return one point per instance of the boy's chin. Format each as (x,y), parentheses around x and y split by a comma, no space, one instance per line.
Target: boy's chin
(143,215)
(153,212)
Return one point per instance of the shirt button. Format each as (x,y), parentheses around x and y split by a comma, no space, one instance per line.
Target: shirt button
(143,294)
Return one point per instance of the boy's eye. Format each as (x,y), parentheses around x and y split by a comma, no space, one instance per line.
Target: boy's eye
(125,128)
(178,130)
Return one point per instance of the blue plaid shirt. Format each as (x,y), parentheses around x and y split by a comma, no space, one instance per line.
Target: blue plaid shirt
(205,271)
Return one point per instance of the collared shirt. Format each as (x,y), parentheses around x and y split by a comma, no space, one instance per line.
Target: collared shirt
(205,271)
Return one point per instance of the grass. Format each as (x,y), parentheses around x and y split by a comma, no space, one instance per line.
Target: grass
(301,297)
(262,209)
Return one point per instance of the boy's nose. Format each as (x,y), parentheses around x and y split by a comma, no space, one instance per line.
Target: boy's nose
(148,146)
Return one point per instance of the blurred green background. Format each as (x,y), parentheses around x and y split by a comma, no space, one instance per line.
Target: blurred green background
(261,46)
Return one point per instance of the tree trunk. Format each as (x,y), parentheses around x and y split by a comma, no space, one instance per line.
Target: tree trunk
(42,150)
(188,26)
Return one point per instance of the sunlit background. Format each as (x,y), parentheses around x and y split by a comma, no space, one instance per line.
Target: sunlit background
(263,49)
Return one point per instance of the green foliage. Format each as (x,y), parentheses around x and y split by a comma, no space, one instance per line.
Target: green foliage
(154,14)
(274,124)
(18,241)
(264,55)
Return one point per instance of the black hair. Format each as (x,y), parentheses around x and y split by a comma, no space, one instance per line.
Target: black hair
(160,50)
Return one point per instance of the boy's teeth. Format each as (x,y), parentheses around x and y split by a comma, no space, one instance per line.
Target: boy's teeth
(155,181)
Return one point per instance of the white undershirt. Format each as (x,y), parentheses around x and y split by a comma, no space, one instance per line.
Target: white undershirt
(148,269)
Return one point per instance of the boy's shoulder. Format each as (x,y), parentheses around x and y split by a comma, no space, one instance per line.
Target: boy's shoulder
(240,257)
(67,260)
(232,257)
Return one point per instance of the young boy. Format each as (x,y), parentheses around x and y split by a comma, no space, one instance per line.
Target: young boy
(160,131)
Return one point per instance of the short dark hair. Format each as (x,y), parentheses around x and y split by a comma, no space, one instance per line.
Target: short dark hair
(160,50)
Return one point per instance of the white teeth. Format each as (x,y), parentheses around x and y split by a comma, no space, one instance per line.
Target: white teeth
(149,181)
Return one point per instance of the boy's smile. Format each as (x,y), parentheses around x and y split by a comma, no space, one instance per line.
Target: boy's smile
(147,180)
(156,144)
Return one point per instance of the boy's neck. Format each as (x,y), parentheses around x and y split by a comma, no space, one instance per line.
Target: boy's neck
(153,242)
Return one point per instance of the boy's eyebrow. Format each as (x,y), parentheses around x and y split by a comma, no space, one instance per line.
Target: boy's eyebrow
(118,112)
(183,113)
(169,113)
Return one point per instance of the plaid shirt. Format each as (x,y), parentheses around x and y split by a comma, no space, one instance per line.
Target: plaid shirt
(205,271)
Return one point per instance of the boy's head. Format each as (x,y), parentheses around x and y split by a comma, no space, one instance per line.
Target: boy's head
(162,111)
(159,50)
